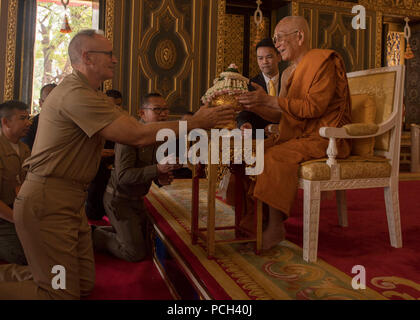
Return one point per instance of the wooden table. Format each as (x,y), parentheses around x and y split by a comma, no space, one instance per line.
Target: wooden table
(208,233)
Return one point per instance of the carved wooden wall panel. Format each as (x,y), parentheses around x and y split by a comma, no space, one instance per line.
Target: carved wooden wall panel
(412,90)
(3,26)
(171,50)
(234,41)
(8,25)
(331,29)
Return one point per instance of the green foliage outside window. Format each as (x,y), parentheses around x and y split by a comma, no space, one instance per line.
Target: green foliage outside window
(51,62)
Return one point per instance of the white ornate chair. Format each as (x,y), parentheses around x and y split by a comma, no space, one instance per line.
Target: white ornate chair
(378,167)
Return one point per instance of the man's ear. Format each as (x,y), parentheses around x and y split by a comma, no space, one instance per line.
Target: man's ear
(86,58)
(301,38)
(4,122)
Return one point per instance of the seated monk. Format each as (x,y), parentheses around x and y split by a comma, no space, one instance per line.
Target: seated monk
(314,94)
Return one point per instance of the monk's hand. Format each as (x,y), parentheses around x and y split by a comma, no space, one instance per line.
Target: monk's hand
(209,117)
(248,126)
(271,129)
(253,99)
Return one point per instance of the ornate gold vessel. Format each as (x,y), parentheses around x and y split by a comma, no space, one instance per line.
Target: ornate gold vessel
(226,88)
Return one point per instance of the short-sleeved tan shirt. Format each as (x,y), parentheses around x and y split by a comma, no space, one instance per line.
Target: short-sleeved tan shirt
(11,172)
(67,144)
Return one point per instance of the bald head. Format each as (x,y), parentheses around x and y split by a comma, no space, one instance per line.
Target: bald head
(291,38)
(80,43)
(291,23)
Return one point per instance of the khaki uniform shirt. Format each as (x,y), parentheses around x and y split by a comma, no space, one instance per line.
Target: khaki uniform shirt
(11,172)
(67,144)
(135,169)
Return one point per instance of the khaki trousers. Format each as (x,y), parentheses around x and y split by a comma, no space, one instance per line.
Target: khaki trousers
(126,239)
(53,232)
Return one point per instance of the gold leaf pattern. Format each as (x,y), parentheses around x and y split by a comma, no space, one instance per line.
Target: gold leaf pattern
(234,41)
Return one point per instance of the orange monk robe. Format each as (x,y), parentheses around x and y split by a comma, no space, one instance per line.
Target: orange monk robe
(317,96)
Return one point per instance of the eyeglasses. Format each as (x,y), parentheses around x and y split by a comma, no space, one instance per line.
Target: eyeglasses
(158,110)
(282,37)
(109,53)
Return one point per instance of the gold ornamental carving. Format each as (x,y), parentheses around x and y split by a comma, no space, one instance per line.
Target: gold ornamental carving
(165,54)
(295,8)
(10,50)
(233,41)
(109,31)
(253,65)
(409,8)
(339,9)
(221,13)
(378,48)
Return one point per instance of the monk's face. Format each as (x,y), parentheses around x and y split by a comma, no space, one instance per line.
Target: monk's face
(287,40)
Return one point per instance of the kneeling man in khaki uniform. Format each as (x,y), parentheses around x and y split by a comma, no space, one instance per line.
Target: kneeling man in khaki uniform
(14,125)
(135,170)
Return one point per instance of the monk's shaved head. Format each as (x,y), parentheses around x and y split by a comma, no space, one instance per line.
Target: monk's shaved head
(291,38)
(80,42)
(296,23)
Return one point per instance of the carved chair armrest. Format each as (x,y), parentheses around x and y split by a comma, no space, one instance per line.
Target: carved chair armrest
(352,131)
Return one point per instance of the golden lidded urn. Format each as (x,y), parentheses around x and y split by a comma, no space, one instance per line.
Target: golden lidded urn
(225,89)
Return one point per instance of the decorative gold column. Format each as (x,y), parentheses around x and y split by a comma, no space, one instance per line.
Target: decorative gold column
(109,31)
(378,48)
(221,11)
(10,49)
(295,8)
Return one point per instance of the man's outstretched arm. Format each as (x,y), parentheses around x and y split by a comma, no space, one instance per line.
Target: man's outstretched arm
(127,130)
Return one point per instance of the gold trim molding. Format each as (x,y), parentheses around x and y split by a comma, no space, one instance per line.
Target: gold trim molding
(221,13)
(410,8)
(295,8)
(109,31)
(378,48)
(371,5)
(10,50)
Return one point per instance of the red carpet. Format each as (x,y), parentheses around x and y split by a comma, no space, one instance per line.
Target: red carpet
(366,241)
(117,280)
(121,280)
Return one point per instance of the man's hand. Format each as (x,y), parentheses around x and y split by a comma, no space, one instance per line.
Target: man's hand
(253,99)
(107,153)
(166,168)
(216,116)
(165,178)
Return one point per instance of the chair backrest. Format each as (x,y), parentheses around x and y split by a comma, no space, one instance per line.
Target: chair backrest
(386,86)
